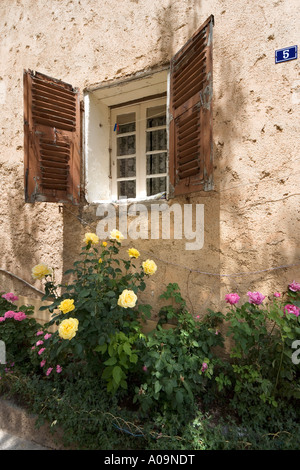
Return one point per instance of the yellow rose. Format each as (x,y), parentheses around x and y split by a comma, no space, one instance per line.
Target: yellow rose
(100,260)
(91,237)
(104,244)
(133,253)
(40,271)
(127,299)
(149,267)
(116,235)
(67,305)
(68,328)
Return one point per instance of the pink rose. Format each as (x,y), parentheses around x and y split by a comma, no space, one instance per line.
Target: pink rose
(232,298)
(41,351)
(145,368)
(49,371)
(2,319)
(58,369)
(9,314)
(256,297)
(10,297)
(43,362)
(40,333)
(277,294)
(290,308)
(294,286)
(19,316)
(39,343)
(204,367)
(47,336)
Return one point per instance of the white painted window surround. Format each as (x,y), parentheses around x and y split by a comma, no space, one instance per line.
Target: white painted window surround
(98,128)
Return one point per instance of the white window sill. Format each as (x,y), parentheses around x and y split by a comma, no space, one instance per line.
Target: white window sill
(150,199)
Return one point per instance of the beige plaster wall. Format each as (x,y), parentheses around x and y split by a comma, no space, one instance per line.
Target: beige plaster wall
(251,217)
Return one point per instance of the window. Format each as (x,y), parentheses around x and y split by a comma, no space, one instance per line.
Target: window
(139,150)
(139,137)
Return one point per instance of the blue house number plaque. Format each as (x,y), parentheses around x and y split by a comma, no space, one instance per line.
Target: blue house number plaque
(288,53)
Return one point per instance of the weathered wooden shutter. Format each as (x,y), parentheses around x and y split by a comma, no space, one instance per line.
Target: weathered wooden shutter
(190,130)
(51,140)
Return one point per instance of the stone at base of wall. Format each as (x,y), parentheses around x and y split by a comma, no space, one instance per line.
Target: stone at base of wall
(16,421)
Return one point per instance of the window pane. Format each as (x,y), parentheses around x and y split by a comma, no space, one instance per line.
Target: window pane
(126,188)
(156,140)
(156,185)
(156,116)
(126,145)
(125,167)
(157,163)
(126,123)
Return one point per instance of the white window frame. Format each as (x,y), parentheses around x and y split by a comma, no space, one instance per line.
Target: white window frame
(97,126)
(140,110)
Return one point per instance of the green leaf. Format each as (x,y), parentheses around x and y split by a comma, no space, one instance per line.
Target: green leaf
(127,348)
(111,293)
(111,361)
(133,358)
(101,348)
(124,384)
(111,351)
(107,373)
(117,374)
(169,388)
(78,349)
(179,397)
(188,389)
(157,386)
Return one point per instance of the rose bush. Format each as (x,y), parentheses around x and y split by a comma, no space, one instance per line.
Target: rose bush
(99,303)
(261,352)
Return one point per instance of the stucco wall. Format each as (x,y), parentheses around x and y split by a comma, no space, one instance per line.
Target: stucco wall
(252,216)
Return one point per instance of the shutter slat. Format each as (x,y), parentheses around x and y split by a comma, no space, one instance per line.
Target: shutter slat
(39,94)
(192,47)
(58,111)
(195,64)
(54,123)
(52,103)
(196,78)
(57,120)
(183,141)
(191,150)
(191,87)
(51,87)
(193,155)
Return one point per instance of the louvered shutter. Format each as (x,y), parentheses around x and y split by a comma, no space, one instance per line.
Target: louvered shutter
(51,140)
(190,130)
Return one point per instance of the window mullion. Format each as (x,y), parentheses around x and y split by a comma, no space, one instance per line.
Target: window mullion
(141,152)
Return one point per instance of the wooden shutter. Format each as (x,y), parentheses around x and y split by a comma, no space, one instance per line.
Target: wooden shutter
(190,130)
(51,140)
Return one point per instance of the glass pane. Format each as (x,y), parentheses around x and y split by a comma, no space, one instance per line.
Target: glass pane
(126,123)
(126,145)
(126,188)
(156,185)
(157,163)
(156,116)
(156,140)
(125,167)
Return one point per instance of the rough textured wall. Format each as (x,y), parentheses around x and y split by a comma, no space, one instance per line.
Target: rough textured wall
(251,217)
